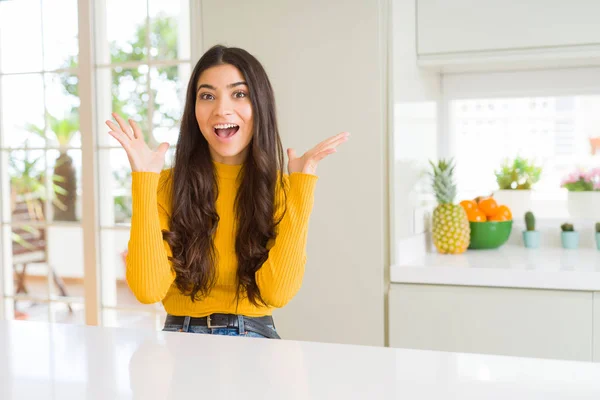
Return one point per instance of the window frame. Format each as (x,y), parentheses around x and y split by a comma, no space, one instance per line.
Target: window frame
(579,81)
(90,14)
(531,83)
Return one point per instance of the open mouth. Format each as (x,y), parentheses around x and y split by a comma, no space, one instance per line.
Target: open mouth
(225,131)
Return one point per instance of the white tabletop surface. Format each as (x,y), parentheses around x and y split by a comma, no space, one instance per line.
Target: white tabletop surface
(53,361)
(509,266)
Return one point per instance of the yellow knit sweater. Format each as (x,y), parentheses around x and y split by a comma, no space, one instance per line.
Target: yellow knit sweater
(149,272)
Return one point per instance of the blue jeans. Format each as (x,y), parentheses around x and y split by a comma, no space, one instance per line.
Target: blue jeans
(240,331)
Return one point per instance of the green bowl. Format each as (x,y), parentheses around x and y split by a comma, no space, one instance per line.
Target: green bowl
(490,234)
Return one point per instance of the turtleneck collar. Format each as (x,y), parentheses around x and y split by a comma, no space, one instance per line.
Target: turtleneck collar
(226,171)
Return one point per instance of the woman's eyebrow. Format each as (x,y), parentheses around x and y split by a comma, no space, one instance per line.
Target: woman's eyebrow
(211,87)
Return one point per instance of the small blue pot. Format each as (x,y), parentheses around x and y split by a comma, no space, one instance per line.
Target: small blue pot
(570,240)
(532,239)
(598,240)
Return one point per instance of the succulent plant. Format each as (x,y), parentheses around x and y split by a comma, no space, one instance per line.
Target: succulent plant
(566,227)
(530,221)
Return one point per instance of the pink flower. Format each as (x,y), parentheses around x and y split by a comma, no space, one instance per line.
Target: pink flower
(573,177)
(581,180)
(594,174)
(591,176)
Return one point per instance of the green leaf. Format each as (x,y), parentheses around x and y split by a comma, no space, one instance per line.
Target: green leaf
(21,241)
(64,129)
(580,186)
(517,174)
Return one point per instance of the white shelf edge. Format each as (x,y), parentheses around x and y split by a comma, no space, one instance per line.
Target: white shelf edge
(527,58)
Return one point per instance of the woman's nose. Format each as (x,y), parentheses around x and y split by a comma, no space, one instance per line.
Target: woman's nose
(223,107)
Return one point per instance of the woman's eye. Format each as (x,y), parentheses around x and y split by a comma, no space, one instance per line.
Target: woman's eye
(239,95)
(206,96)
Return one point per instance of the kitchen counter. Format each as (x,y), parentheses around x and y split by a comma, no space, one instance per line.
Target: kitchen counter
(510,266)
(53,361)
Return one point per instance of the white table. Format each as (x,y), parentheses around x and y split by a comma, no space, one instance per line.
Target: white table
(51,361)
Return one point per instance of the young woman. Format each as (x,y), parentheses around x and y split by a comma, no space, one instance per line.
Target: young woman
(220,238)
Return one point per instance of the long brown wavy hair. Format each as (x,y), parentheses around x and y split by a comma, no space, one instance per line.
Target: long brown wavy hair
(194,218)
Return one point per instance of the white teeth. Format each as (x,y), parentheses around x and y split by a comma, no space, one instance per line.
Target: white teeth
(225,126)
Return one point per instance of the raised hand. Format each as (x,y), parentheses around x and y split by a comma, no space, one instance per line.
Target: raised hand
(141,157)
(309,160)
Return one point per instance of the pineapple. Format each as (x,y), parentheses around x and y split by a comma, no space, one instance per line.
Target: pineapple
(451,230)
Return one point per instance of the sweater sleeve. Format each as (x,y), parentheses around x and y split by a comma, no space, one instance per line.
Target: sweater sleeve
(280,277)
(149,272)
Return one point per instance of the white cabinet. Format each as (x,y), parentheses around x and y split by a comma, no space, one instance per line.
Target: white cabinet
(460,26)
(515,322)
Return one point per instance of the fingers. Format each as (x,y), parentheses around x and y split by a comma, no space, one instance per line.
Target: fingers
(334,140)
(137,132)
(340,136)
(121,138)
(321,155)
(291,154)
(124,128)
(113,126)
(163,147)
(118,134)
(328,147)
(332,144)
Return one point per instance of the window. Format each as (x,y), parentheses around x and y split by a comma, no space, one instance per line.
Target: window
(142,65)
(40,161)
(552,121)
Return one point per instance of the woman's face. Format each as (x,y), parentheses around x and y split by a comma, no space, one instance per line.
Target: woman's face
(224,113)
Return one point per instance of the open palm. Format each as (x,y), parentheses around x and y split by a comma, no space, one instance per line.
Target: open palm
(141,157)
(308,162)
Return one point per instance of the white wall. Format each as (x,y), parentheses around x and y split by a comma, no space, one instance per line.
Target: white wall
(325,61)
(416,102)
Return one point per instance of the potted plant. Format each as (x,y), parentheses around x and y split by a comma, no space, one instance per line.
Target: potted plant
(569,237)
(598,235)
(28,189)
(531,237)
(584,193)
(62,132)
(27,193)
(515,180)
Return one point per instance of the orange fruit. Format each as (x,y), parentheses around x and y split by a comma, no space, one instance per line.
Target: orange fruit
(505,211)
(479,198)
(488,206)
(498,217)
(476,215)
(468,205)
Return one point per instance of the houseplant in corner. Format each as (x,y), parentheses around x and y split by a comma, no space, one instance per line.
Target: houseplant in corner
(531,237)
(584,193)
(515,179)
(569,237)
(62,131)
(598,235)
